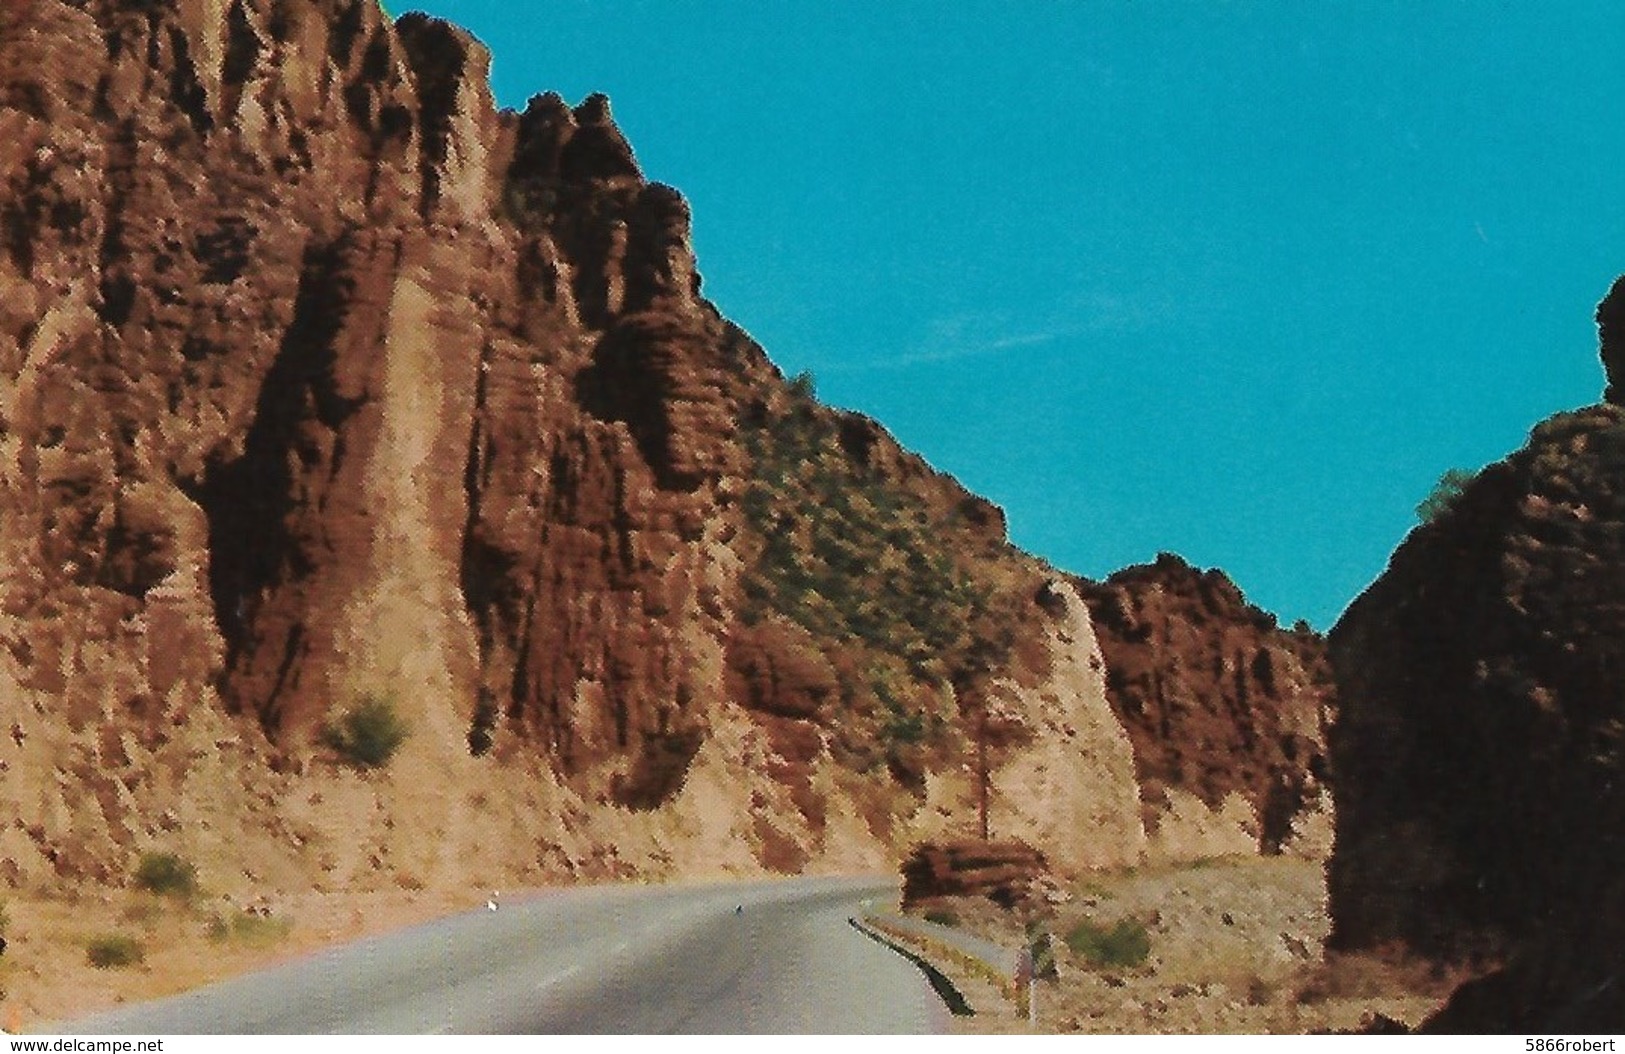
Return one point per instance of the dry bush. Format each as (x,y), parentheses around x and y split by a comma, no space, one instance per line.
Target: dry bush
(114,951)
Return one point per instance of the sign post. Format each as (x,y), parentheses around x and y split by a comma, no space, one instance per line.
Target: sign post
(1026,982)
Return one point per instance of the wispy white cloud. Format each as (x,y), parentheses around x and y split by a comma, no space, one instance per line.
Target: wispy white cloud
(984,335)
(969,349)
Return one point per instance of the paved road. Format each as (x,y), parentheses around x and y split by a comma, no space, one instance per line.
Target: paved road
(622,959)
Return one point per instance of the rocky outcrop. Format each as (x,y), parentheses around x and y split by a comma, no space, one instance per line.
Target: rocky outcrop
(1061,770)
(1611,330)
(323,380)
(1005,872)
(1477,736)
(1478,754)
(1224,709)
(1565,979)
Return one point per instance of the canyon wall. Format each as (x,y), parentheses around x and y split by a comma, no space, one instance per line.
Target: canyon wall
(1478,753)
(1225,710)
(324,382)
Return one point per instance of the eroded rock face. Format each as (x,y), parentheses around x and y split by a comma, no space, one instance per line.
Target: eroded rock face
(1062,767)
(1005,872)
(1478,754)
(290,378)
(1224,709)
(1477,741)
(323,380)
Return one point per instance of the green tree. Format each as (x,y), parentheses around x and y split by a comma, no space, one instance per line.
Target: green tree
(1444,494)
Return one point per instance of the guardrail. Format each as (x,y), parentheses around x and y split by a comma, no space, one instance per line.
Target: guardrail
(940,983)
(929,944)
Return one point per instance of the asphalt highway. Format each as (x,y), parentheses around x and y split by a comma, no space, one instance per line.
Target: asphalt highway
(602,959)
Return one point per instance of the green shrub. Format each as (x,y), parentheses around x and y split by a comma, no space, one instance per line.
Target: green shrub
(368,735)
(166,875)
(247,928)
(1444,494)
(845,555)
(1125,944)
(883,580)
(942,917)
(113,950)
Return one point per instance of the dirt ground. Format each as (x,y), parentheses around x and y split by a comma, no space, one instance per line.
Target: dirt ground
(46,974)
(1235,946)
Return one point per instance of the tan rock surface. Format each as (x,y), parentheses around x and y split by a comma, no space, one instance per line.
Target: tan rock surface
(323,380)
(1225,710)
(1070,789)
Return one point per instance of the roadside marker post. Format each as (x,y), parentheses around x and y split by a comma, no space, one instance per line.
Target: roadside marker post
(1026,982)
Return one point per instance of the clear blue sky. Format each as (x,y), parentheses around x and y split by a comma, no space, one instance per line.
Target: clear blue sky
(1236,280)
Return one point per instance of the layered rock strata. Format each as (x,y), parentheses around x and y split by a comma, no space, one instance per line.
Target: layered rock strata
(1224,708)
(325,382)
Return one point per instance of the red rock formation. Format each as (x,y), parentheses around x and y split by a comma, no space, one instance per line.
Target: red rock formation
(322,379)
(1217,699)
(1004,872)
(276,278)
(262,233)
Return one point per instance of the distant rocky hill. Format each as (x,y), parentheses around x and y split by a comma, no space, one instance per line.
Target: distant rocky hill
(1225,710)
(325,382)
(1478,753)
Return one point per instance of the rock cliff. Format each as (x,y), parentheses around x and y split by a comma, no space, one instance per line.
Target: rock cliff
(1224,708)
(325,381)
(1611,334)
(1479,750)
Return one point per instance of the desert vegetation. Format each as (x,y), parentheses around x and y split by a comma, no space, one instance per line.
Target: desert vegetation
(864,567)
(111,951)
(367,735)
(1125,943)
(166,875)
(247,927)
(1228,945)
(1444,494)
(846,555)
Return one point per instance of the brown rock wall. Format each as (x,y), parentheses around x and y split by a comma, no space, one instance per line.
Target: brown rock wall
(1478,754)
(1611,331)
(1476,742)
(1217,699)
(322,379)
